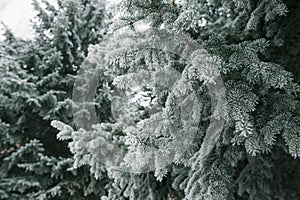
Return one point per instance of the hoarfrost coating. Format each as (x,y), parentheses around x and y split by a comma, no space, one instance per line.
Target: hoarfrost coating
(127,97)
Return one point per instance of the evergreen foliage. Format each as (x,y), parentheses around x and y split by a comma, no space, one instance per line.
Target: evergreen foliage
(215,115)
(241,39)
(37,77)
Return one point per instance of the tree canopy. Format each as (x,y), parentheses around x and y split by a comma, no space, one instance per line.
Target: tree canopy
(203,103)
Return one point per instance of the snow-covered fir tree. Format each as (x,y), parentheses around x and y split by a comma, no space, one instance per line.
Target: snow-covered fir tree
(36,83)
(204,104)
(253,150)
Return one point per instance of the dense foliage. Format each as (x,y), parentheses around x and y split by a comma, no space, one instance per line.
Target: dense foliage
(36,83)
(204,105)
(254,155)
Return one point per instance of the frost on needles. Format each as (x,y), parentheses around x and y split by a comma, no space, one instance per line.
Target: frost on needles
(257,125)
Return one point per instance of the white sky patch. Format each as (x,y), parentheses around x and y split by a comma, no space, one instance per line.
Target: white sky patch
(16,14)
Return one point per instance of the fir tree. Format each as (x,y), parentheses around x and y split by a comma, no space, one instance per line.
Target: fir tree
(36,81)
(254,155)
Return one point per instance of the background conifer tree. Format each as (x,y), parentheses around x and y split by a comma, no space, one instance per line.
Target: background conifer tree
(36,84)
